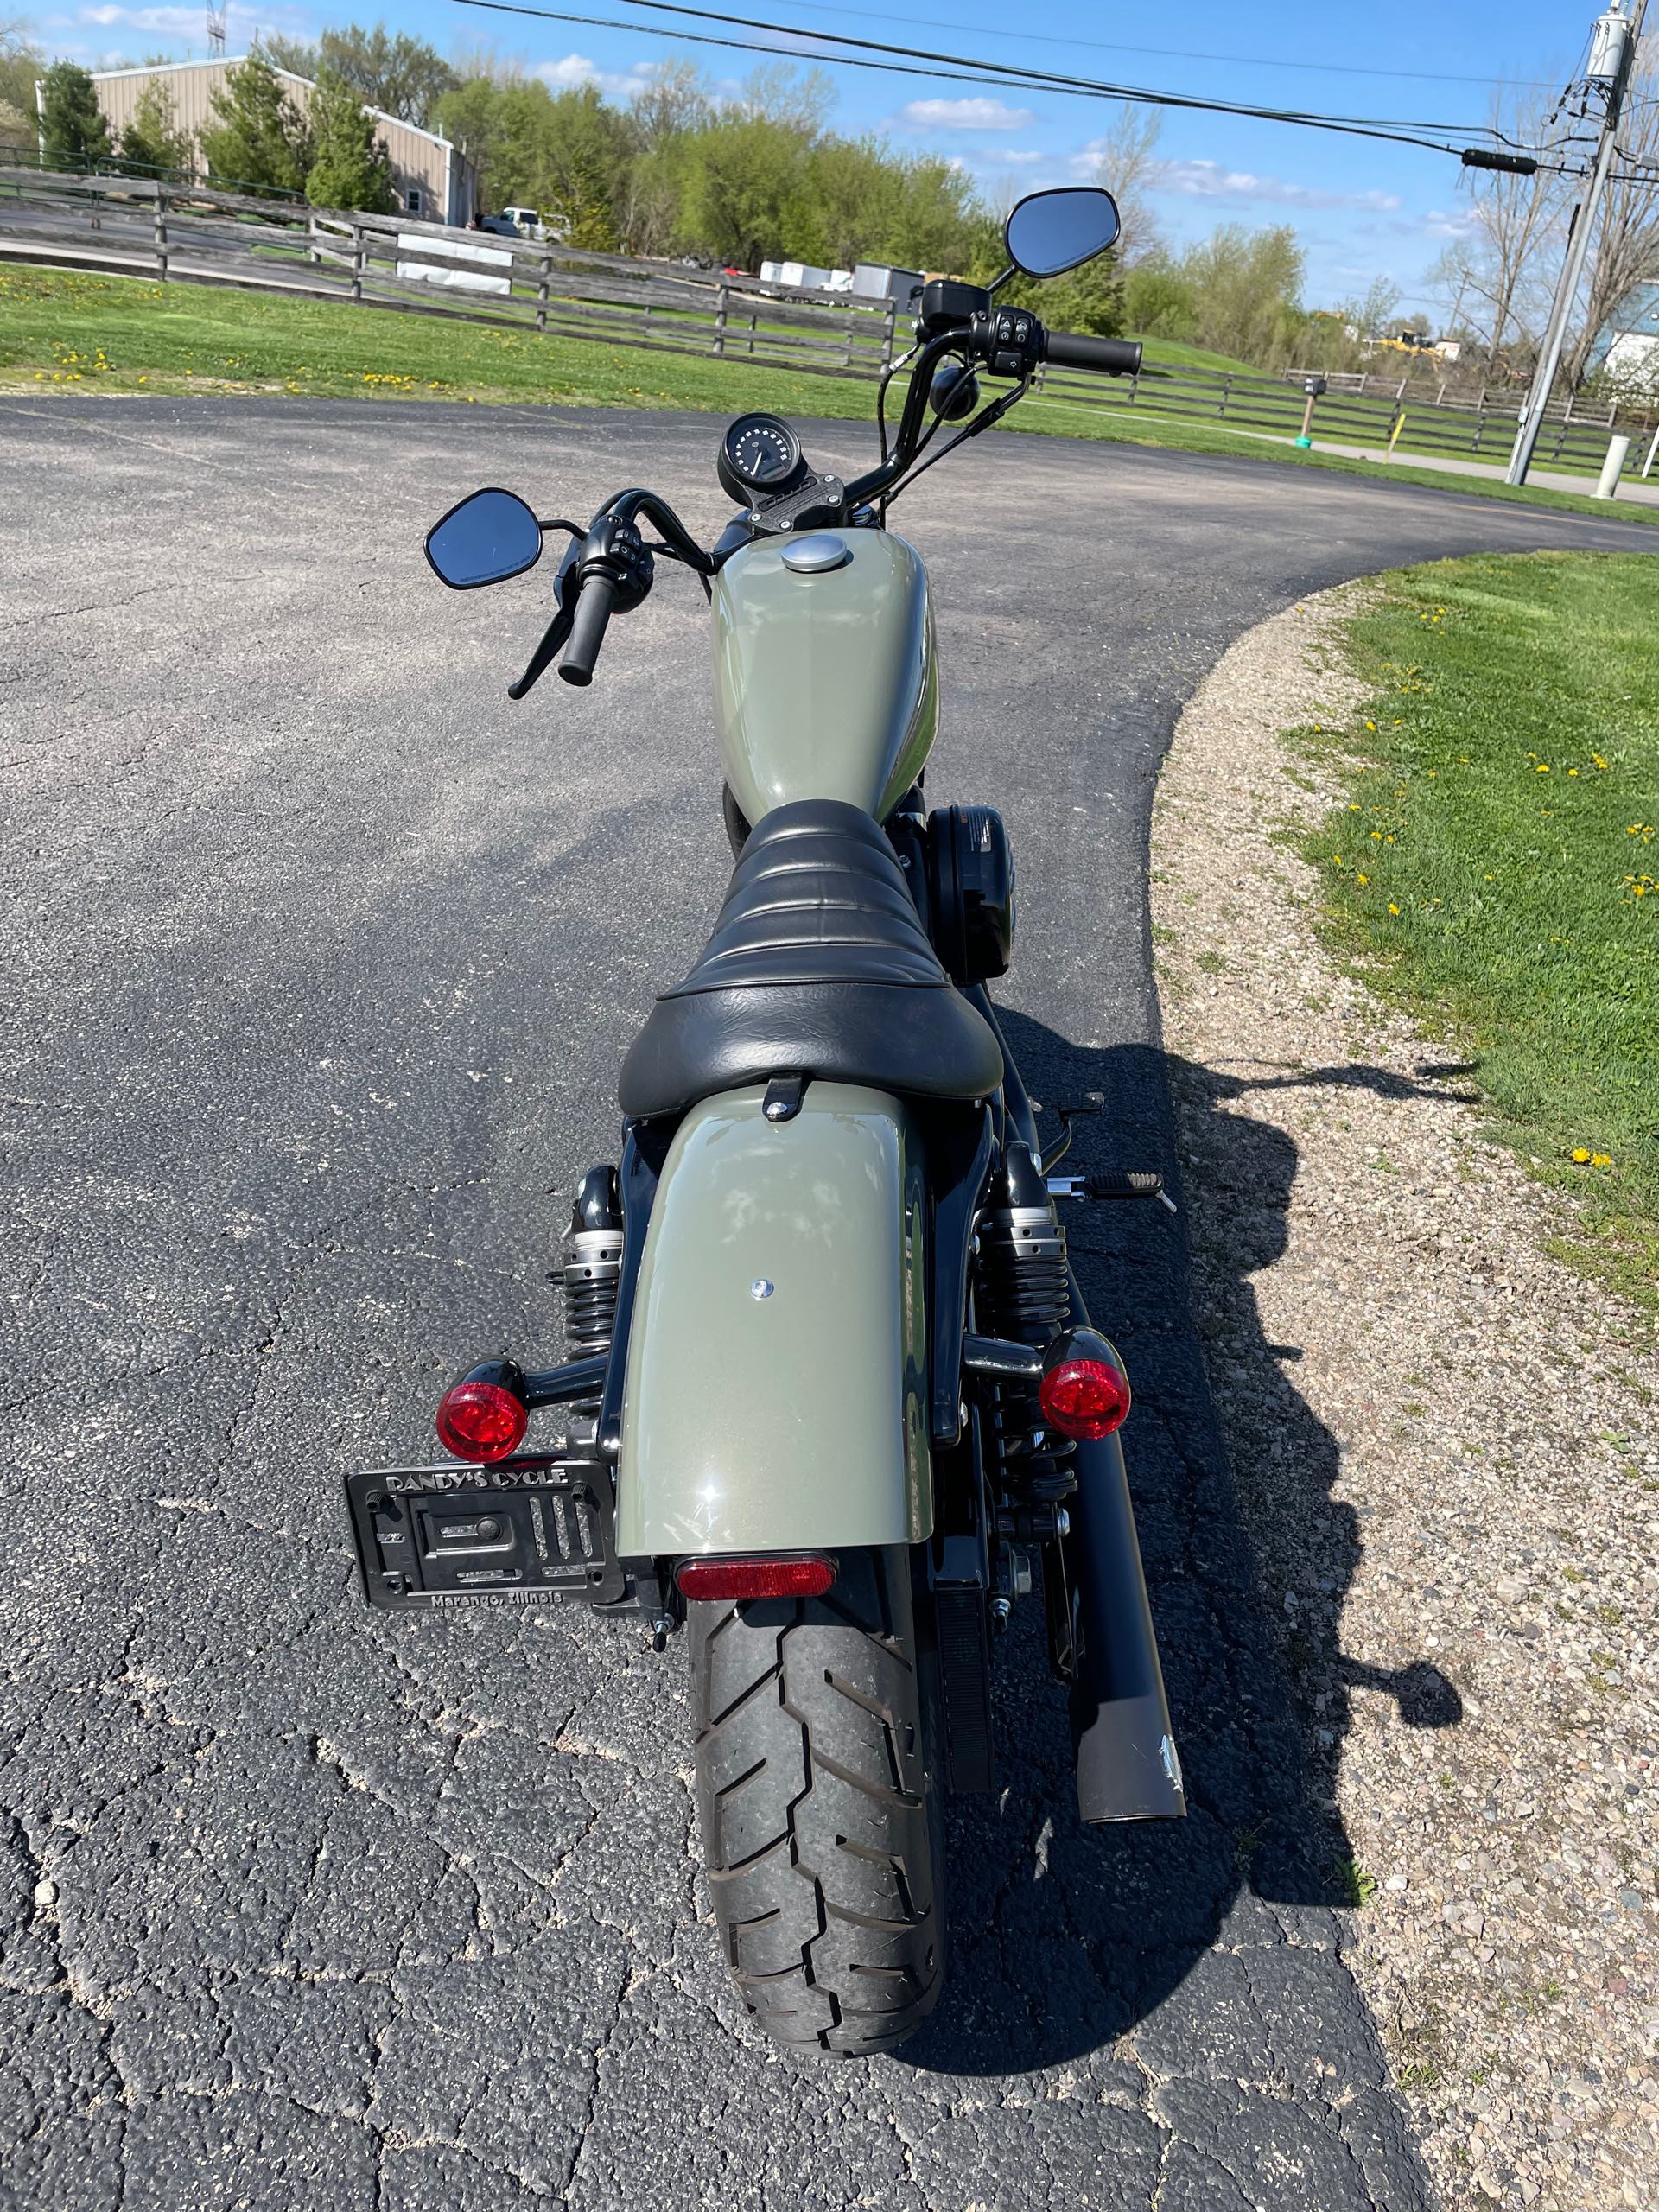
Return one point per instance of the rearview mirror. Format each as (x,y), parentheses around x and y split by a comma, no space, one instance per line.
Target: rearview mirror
(487,539)
(1052,232)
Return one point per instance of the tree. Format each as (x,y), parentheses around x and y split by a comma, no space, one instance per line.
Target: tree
(1625,252)
(744,177)
(21,63)
(1500,275)
(261,141)
(1246,287)
(581,152)
(400,76)
(664,114)
(349,166)
(671,102)
(496,122)
(1158,302)
(795,99)
(1127,164)
(294,55)
(152,140)
(73,128)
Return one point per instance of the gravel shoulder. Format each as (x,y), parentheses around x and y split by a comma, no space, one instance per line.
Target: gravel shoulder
(1444,1446)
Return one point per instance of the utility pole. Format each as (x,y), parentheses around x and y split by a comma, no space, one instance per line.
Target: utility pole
(1612,57)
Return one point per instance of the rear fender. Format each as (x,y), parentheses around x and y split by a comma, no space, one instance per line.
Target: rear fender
(776,1388)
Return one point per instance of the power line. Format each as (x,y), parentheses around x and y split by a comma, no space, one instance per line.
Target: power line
(1047,77)
(1170,53)
(966,69)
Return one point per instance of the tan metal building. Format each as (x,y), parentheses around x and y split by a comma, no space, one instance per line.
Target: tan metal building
(434,181)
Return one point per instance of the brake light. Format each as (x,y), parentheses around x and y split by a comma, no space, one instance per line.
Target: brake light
(1085,1397)
(481,1420)
(799,1574)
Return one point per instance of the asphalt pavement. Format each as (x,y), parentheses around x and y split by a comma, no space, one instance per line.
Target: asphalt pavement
(321,958)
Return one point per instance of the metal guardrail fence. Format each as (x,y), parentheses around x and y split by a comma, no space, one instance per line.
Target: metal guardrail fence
(143,227)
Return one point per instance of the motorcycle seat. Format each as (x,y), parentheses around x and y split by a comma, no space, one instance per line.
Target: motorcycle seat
(819,966)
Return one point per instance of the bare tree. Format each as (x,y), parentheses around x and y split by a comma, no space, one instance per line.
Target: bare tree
(21,63)
(1625,252)
(1502,274)
(674,99)
(797,99)
(1127,165)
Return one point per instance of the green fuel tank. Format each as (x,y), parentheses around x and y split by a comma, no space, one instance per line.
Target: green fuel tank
(826,679)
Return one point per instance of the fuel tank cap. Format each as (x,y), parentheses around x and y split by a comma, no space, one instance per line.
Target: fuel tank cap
(811,556)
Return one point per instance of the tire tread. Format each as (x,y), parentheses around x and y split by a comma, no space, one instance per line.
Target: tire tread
(819,1822)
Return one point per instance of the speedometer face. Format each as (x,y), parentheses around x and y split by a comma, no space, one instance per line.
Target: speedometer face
(761,452)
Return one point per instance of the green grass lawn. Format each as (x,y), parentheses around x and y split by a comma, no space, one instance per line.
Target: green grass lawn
(60,330)
(1170,353)
(1494,864)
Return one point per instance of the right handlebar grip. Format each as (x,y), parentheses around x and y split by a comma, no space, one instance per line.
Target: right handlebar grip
(1112,357)
(594,606)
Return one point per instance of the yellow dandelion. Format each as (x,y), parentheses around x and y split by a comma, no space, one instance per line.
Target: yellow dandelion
(1601,1160)
(1362,878)
(1581,1155)
(1543,768)
(1393,909)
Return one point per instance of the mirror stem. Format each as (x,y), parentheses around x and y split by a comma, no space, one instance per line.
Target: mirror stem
(1013,269)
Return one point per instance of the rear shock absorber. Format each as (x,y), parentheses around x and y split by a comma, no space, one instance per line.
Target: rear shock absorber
(593,1267)
(1024,1294)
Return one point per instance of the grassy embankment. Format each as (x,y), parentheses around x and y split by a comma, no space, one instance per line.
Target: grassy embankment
(1493,867)
(58,330)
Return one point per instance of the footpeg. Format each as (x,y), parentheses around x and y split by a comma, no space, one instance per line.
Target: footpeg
(1117,1183)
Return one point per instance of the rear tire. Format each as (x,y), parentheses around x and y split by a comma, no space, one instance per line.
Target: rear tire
(819,1814)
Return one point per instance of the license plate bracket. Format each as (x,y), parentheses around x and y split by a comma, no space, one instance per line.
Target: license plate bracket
(533,1530)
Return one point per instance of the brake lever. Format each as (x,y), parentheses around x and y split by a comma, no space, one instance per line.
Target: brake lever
(553,643)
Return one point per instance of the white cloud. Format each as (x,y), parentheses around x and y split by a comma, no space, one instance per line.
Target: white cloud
(577,69)
(1440,224)
(187,23)
(1204,180)
(965,115)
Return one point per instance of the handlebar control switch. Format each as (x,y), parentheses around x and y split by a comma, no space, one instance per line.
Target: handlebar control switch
(616,551)
(1008,341)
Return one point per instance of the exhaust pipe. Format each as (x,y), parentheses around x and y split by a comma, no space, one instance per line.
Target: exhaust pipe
(1128,1766)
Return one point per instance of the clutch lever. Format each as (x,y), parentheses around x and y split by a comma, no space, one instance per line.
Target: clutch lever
(552,645)
(567,588)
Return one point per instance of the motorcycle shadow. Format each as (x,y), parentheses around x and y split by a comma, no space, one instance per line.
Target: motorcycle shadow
(1064,1937)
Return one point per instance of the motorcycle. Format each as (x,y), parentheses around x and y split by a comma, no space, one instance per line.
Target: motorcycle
(831,1398)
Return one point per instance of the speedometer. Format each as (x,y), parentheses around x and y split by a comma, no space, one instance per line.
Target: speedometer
(759,456)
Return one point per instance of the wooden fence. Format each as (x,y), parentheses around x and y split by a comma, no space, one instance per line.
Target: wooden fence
(138,226)
(135,227)
(1485,431)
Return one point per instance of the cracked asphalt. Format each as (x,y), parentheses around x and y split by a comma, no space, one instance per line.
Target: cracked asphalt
(321,959)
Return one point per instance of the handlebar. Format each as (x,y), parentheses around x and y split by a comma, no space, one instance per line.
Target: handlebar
(1112,357)
(588,629)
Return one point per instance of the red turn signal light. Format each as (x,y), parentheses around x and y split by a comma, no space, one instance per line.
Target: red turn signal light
(1084,1392)
(799,1574)
(481,1419)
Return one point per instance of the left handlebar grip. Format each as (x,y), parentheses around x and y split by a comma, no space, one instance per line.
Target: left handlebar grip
(597,598)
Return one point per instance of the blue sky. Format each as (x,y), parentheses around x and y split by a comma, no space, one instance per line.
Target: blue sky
(1362,209)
